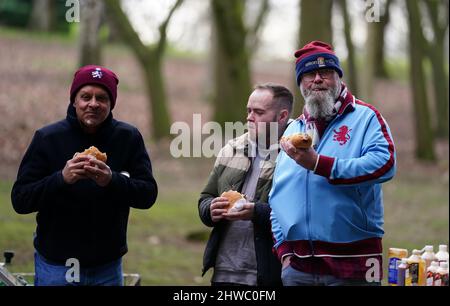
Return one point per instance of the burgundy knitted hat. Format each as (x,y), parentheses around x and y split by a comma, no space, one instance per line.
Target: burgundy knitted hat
(316,55)
(93,74)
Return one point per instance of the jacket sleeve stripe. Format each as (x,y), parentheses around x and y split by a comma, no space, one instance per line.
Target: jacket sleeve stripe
(386,167)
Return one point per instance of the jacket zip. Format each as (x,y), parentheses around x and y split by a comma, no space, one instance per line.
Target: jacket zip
(307,214)
(308,209)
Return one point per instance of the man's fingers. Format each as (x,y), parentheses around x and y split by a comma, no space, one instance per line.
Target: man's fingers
(219,203)
(288,147)
(218,212)
(92,170)
(79,176)
(77,165)
(98,163)
(219,199)
(283,145)
(78,171)
(248,205)
(80,158)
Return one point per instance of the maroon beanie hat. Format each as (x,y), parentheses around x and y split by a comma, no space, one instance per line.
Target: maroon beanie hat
(316,55)
(93,74)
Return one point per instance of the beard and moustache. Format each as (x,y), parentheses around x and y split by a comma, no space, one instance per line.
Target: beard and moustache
(320,104)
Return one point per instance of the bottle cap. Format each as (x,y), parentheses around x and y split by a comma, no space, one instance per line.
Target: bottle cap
(428,248)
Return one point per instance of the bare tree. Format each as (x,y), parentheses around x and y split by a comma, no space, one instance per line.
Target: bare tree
(90,21)
(315,24)
(438,16)
(254,30)
(424,133)
(375,63)
(151,60)
(351,64)
(42,15)
(231,42)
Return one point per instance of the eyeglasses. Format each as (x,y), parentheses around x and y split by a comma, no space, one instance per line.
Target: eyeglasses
(323,73)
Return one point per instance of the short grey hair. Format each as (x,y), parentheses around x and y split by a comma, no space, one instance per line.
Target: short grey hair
(281,95)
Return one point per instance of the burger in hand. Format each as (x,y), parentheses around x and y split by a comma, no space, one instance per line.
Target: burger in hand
(299,140)
(94,152)
(236,199)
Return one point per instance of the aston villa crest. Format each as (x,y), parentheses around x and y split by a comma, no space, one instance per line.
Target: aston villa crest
(321,61)
(97,73)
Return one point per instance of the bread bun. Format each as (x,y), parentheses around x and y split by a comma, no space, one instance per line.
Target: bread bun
(94,152)
(236,199)
(299,140)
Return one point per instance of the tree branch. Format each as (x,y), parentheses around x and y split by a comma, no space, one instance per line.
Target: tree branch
(433,13)
(264,8)
(126,30)
(163,29)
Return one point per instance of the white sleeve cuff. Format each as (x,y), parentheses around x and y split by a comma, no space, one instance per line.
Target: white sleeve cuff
(317,162)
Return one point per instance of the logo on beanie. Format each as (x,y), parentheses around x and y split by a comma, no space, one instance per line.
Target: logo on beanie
(97,73)
(321,61)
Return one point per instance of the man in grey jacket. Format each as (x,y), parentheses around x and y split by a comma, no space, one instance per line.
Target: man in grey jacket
(240,245)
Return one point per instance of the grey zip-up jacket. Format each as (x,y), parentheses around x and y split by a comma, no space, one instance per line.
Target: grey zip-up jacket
(229,172)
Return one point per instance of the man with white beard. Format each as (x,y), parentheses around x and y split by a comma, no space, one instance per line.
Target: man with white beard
(326,200)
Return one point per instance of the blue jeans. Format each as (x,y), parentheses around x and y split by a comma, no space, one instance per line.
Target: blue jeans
(293,277)
(49,274)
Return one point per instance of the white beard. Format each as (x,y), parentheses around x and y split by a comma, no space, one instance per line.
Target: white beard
(320,104)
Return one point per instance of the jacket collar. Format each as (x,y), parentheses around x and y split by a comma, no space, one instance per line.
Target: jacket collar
(346,99)
(249,148)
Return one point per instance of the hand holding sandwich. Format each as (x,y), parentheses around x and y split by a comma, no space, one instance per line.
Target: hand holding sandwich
(231,205)
(88,164)
(300,151)
(99,172)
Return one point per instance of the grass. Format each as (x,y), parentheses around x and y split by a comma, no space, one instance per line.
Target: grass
(59,37)
(416,214)
(159,248)
(416,203)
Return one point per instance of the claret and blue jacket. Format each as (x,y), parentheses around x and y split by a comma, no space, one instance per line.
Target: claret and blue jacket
(337,209)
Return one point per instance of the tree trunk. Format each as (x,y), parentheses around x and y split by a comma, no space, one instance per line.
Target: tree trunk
(156,90)
(151,59)
(42,15)
(436,55)
(231,63)
(91,13)
(113,31)
(254,37)
(375,64)
(315,24)
(380,66)
(424,134)
(440,86)
(351,72)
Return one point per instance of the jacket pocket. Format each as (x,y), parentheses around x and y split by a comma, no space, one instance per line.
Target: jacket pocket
(361,208)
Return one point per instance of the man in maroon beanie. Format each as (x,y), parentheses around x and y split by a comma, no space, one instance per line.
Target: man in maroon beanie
(326,200)
(83,200)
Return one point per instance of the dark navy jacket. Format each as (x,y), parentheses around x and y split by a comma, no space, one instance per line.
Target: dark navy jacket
(83,220)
